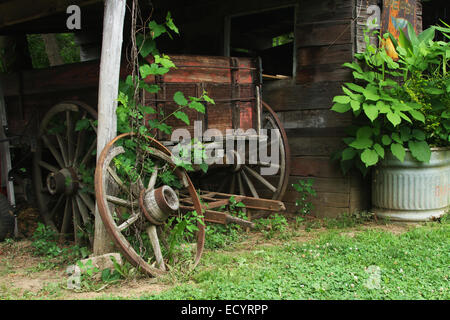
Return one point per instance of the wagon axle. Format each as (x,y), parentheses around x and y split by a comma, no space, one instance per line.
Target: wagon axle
(64,181)
(158,204)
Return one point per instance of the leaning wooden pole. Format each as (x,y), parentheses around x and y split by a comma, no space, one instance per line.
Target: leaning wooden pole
(113,21)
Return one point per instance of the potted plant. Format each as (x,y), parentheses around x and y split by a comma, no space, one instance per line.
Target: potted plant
(401,103)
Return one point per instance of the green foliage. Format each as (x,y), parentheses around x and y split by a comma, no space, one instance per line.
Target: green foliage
(220,236)
(274,225)
(397,104)
(283,39)
(181,230)
(87,268)
(45,243)
(347,220)
(132,116)
(305,190)
(36,47)
(68,49)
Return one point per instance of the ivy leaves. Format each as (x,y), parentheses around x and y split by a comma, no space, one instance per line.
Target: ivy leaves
(193,103)
(148,119)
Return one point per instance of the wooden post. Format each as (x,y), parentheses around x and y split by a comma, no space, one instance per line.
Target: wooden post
(52,49)
(113,21)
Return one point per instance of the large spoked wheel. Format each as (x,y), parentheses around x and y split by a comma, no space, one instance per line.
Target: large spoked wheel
(63,160)
(137,188)
(265,179)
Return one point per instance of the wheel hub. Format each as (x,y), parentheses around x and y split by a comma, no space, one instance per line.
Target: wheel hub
(159,204)
(62,181)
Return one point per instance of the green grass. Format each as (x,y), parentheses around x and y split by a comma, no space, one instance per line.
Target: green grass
(412,265)
(342,260)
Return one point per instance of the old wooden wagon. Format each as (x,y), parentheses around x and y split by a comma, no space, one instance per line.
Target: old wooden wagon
(302,46)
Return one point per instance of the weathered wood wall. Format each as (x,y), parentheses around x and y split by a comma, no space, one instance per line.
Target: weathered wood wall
(325,37)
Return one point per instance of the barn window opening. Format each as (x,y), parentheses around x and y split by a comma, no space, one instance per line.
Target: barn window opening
(53,49)
(267,34)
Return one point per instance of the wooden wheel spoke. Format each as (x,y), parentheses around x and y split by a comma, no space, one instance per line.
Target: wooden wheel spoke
(89,152)
(250,185)
(87,201)
(80,143)
(62,147)
(122,202)
(152,181)
(66,217)
(70,137)
(56,207)
(116,179)
(137,187)
(133,218)
(91,123)
(153,235)
(53,151)
(48,166)
(83,209)
(76,221)
(232,184)
(260,178)
(240,184)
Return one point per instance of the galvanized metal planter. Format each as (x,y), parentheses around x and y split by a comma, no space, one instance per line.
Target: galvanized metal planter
(411,190)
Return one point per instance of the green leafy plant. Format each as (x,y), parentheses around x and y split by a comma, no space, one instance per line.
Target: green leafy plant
(428,83)
(87,268)
(136,114)
(181,230)
(131,114)
(305,190)
(45,243)
(219,236)
(274,225)
(389,115)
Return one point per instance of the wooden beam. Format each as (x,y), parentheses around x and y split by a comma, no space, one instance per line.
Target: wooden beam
(5,155)
(13,12)
(107,97)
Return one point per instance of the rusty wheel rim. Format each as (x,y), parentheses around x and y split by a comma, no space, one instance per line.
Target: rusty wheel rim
(135,199)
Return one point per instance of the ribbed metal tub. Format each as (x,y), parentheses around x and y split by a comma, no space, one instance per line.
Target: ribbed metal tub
(412,190)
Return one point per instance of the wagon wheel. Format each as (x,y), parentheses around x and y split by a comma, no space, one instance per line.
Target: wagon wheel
(67,138)
(248,179)
(134,197)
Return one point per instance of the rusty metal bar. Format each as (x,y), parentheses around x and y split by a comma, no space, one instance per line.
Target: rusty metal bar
(250,202)
(241,99)
(220,217)
(217,67)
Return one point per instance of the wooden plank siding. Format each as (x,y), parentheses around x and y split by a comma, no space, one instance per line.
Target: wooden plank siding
(325,39)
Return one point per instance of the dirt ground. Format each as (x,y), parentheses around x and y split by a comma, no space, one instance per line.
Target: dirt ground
(26,276)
